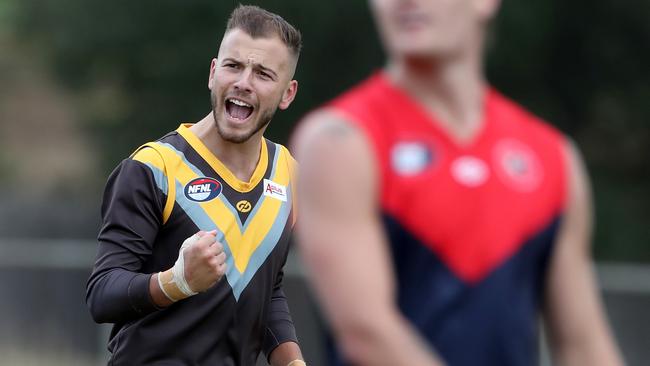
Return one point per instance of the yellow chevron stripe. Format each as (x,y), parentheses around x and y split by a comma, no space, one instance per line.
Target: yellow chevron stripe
(242,245)
(265,217)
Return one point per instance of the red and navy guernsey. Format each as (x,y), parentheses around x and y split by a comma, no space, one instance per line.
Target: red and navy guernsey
(471,226)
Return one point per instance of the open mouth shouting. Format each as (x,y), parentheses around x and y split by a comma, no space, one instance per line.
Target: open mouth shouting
(238,109)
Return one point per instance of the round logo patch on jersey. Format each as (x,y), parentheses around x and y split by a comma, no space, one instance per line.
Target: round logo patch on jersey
(410,158)
(470,171)
(243,206)
(517,165)
(202,189)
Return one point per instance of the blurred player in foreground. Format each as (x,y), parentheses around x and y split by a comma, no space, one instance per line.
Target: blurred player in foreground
(437,217)
(169,302)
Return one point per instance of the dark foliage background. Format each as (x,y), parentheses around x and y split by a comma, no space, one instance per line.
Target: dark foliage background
(91,80)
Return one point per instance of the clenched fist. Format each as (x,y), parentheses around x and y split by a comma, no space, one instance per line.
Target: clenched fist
(205,262)
(200,264)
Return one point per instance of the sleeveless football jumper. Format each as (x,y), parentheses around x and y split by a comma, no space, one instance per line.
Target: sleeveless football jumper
(471,226)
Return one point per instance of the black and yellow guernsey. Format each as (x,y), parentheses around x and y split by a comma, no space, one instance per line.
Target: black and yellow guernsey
(165,192)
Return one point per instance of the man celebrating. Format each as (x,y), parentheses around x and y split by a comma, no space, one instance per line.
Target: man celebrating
(215,298)
(438,217)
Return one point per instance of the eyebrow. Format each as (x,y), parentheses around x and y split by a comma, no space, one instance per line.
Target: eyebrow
(255,65)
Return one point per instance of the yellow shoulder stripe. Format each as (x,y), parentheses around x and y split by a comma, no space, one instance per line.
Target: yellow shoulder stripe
(289,166)
(150,153)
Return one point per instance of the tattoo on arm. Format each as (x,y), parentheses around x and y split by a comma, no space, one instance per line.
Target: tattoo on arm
(338,129)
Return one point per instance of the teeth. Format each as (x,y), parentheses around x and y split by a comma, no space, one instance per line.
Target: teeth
(240,103)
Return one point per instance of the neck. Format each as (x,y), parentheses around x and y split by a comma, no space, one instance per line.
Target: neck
(241,159)
(452,90)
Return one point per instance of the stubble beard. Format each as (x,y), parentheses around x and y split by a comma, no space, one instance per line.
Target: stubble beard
(263,119)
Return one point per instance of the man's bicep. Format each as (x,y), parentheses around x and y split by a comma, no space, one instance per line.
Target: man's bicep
(570,258)
(574,312)
(339,228)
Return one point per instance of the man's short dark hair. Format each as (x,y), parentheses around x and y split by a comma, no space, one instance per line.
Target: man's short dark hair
(258,22)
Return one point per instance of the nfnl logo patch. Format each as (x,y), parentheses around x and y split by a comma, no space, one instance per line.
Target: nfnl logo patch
(202,189)
(275,190)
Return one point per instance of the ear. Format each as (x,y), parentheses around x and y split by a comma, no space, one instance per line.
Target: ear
(213,70)
(288,95)
(487,8)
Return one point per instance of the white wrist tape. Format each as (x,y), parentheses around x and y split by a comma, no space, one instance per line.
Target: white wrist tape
(177,282)
(179,267)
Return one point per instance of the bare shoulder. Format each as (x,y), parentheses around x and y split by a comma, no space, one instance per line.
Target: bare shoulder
(578,185)
(334,153)
(575,234)
(330,140)
(325,129)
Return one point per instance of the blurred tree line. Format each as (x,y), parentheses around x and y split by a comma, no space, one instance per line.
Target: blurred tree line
(133,70)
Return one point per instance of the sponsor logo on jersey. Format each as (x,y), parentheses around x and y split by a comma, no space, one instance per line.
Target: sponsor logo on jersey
(410,157)
(243,206)
(470,171)
(275,190)
(517,165)
(202,189)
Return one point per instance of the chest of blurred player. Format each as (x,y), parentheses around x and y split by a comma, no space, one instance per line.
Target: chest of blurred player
(504,184)
(480,199)
(474,203)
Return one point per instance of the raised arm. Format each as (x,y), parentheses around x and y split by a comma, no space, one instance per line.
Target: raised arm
(344,246)
(578,330)
(119,289)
